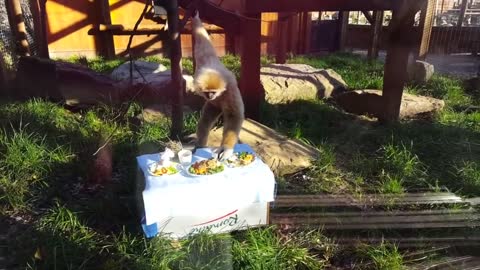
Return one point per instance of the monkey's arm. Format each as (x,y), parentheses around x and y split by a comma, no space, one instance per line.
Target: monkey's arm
(209,116)
(232,125)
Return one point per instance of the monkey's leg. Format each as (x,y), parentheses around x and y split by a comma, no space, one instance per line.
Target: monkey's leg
(231,128)
(208,118)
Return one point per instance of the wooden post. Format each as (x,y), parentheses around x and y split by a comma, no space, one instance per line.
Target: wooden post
(463,9)
(304,30)
(107,47)
(3,76)
(308,31)
(178,83)
(395,73)
(375,34)
(281,50)
(250,86)
(40,34)
(17,24)
(425,26)
(229,43)
(342,30)
(44,52)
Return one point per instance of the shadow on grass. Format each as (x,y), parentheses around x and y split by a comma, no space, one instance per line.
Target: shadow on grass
(106,208)
(440,152)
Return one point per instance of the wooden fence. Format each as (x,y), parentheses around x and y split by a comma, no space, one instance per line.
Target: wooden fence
(68,24)
(444,40)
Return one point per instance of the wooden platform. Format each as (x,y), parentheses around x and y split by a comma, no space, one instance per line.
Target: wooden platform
(439,219)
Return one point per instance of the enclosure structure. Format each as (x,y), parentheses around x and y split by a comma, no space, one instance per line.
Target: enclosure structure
(241,21)
(246,23)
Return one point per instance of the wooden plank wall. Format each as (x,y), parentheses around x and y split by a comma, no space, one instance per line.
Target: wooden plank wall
(69,21)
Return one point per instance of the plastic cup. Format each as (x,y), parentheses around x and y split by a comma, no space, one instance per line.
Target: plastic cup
(185,157)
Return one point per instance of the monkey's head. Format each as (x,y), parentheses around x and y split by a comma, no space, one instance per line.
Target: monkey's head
(210,84)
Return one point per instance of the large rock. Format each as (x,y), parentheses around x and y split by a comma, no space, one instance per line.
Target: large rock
(60,81)
(156,89)
(282,155)
(420,72)
(158,112)
(288,82)
(80,85)
(153,86)
(77,85)
(36,77)
(370,102)
(122,72)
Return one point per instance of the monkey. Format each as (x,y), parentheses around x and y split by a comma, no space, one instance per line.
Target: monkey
(219,87)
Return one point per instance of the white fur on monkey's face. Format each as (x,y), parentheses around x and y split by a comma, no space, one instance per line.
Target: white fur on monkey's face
(211,94)
(210,84)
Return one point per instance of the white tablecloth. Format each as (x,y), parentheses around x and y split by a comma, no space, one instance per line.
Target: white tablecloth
(185,195)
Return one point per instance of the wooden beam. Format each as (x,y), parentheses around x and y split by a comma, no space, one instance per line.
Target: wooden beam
(250,86)
(116,30)
(324,5)
(427,16)
(395,74)
(213,14)
(107,46)
(369,16)
(178,83)
(17,24)
(463,9)
(375,34)
(342,30)
(367,200)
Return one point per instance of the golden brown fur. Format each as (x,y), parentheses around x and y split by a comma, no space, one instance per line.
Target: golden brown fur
(219,87)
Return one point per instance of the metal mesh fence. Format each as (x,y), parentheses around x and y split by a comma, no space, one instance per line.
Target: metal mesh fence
(7,42)
(29,26)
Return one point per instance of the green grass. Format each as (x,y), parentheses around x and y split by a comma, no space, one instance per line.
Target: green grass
(384,257)
(358,74)
(46,153)
(410,155)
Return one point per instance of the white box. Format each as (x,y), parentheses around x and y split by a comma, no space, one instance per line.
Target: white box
(181,205)
(252,215)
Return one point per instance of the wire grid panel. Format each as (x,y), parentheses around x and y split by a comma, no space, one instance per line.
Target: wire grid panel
(7,43)
(29,26)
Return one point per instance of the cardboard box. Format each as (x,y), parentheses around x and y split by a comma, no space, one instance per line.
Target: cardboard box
(221,221)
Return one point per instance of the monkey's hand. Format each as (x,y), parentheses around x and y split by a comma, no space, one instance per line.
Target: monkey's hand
(223,153)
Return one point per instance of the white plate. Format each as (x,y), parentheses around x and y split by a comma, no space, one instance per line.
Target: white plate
(241,166)
(197,175)
(172,164)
